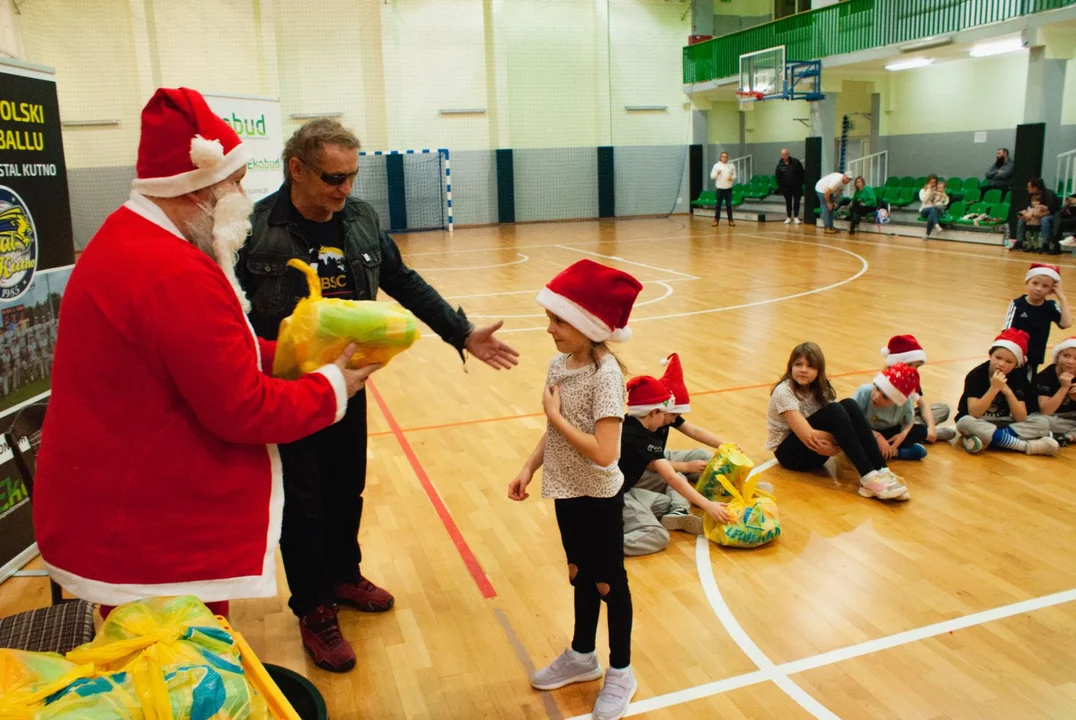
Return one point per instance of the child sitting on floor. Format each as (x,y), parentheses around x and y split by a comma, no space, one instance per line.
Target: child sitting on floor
(993,410)
(649,513)
(1057,392)
(906,349)
(888,403)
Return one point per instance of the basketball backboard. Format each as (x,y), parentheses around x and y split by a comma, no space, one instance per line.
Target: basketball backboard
(763,71)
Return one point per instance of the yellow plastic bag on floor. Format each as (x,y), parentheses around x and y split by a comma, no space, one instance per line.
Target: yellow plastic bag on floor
(753,516)
(173,657)
(320,328)
(28,678)
(728,462)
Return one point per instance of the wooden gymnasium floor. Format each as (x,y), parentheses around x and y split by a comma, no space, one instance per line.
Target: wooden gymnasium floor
(957,604)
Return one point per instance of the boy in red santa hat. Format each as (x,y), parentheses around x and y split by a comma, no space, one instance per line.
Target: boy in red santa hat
(1034,314)
(906,349)
(993,409)
(158,473)
(888,403)
(1057,392)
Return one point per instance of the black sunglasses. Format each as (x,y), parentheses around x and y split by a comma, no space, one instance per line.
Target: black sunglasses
(334,178)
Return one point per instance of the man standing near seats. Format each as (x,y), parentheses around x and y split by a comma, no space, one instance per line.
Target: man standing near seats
(790,177)
(999,175)
(157,473)
(314,218)
(829,190)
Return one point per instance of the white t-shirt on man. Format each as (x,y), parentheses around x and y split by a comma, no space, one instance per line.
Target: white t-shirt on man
(723,175)
(834,182)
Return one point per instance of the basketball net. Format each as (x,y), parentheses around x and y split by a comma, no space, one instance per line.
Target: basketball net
(747,99)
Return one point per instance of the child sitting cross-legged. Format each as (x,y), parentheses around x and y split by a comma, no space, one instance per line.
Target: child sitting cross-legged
(889,405)
(649,513)
(1057,392)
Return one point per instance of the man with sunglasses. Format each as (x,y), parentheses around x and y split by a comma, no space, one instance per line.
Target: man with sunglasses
(313,217)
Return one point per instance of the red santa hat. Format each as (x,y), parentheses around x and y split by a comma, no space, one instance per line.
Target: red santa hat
(903,349)
(1051,271)
(899,383)
(1066,344)
(673,379)
(1013,340)
(184,146)
(646,394)
(594,299)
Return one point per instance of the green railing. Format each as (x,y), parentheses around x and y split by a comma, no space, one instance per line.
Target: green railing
(852,26)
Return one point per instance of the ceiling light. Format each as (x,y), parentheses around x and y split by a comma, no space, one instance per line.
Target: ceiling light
(927,43)
(997,48)
(909,64)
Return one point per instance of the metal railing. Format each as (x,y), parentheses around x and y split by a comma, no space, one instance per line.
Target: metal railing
(874,168)
(745,168)
(1066,173)
(852,26)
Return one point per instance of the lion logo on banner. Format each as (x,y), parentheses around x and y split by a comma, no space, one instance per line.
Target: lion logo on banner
(18,245)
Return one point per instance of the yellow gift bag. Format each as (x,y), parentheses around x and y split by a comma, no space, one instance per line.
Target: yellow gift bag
(27,679)
(753,515)
(320,328)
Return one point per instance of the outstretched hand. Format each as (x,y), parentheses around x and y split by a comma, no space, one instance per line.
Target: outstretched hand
(489,349)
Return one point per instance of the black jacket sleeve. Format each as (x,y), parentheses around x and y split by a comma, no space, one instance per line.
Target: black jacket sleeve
(409,289)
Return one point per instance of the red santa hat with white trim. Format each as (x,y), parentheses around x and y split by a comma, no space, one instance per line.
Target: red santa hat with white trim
(185,146)
(1068,343)
(646,394)
(1051,271)
(594,299)
(903,349)
(1013,340)
(673,379)
(899,383)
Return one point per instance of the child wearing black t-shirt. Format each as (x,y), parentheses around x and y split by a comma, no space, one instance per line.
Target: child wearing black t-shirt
(993,409)
(1034,314)
(642,447)
(1057,392)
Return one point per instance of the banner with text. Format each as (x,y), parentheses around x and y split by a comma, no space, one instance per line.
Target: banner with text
(257,122)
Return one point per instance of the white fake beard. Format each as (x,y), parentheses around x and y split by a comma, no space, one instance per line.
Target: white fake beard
(221,232)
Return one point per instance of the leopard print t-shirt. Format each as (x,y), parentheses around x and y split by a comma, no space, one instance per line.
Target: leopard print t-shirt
(586,397)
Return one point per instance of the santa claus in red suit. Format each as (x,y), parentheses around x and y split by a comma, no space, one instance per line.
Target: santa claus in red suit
(158,472)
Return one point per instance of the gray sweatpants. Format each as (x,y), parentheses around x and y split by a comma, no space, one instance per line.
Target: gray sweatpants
(1036,426)
(1063,423)
(940,411)
(652,499)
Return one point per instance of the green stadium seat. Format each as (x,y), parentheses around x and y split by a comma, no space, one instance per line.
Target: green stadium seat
(992,197)
(879,192)
(921,181)
(954,211)
(737,198)
(892,195)
(706,199)
(973,196)
(907,181)
(1007,198)
(892,181)
(979,208)
(971,183)
(999,211)
(908,195)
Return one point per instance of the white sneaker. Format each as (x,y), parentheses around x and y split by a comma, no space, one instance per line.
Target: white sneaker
(788,221)
(1068,242)
(884,486)
(1043,446)
(796,221)
(570,667)
(685,522)
(617,690)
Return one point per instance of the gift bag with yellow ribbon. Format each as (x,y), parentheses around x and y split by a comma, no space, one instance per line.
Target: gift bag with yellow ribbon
(162,659)
(27,679)
(753,516)
(320,328)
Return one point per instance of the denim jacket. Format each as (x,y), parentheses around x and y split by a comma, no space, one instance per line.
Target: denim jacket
(371,255)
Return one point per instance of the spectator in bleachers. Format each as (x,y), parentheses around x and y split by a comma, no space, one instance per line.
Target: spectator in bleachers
(1068,222)
(999,175)
(934,202)
(863,203)
(1043,211)
(829,190)
(790,178)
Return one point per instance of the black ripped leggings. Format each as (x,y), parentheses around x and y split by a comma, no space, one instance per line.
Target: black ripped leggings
(592,531)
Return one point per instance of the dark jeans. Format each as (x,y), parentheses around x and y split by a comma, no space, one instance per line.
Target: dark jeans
(723,196)
(845,421)
(859,211)
(592,532)
(324,476)
(792,201)
(918,434)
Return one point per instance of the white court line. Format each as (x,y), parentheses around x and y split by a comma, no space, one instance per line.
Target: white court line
(629,262)
(668,292)
(863,268)
(780,673)
(535,292)
(523,259)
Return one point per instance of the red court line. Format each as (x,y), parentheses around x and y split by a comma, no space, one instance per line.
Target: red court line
(484,585)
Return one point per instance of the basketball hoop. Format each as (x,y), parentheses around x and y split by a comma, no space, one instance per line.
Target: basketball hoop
(747,99)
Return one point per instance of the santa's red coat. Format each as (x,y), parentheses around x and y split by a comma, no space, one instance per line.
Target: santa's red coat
(158,473)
